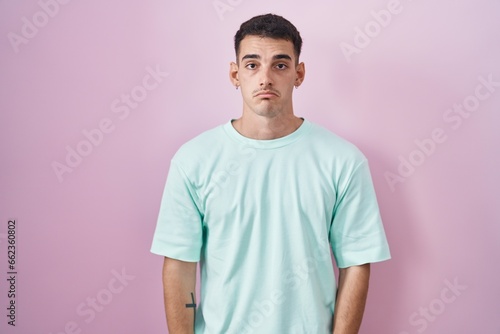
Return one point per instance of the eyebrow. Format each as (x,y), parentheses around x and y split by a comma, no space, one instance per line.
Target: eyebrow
(275,57)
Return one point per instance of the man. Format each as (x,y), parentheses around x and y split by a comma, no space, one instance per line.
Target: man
(260,201)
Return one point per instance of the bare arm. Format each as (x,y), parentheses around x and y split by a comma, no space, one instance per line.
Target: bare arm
(351,299)
(179,282)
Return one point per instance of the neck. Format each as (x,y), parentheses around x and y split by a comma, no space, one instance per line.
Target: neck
(255,126)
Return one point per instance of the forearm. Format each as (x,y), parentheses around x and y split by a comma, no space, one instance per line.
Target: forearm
(179,282)
(351,299)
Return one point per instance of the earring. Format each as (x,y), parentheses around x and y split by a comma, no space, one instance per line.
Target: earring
(236,87)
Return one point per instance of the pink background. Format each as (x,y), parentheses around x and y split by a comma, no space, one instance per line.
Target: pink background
(77,232)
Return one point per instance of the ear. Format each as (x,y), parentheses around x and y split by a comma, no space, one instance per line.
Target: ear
(233,74)
(300,73)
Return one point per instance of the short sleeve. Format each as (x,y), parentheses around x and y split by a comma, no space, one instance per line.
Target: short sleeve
(356,233)
(178,233)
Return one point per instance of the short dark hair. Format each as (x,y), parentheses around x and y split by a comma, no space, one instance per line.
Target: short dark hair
(272,26)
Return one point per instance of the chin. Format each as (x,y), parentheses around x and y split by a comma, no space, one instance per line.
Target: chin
(267,111)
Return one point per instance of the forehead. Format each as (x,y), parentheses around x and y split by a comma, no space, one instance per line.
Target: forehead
(265,46)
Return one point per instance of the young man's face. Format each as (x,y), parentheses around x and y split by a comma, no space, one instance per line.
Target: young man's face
(266,73)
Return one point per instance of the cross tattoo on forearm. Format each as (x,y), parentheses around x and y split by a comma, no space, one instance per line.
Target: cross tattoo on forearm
(193,305)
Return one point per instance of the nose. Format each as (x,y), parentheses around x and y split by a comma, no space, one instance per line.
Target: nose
(266,79)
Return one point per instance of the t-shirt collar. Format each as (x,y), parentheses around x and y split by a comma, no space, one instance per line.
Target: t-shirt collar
(267,143)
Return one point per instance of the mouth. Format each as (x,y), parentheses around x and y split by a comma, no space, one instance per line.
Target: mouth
(266,94)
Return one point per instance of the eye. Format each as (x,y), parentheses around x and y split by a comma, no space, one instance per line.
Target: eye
(251,66)
(281,66)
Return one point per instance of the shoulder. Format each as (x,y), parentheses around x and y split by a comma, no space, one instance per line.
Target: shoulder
(328,143)
(200,146)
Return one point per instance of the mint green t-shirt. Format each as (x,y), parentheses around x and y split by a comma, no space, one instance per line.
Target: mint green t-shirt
(261,217)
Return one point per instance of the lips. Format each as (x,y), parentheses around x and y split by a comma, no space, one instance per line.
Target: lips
(266,94)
